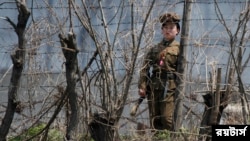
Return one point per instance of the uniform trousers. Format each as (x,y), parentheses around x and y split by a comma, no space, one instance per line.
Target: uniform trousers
(161,104)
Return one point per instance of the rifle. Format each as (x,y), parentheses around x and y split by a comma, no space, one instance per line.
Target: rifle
(135,107)
(139,101)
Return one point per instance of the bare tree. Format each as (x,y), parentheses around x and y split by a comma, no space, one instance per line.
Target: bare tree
(218,99)
(70,51)
(18,59)
(113,91)
(95,98)
(237,41)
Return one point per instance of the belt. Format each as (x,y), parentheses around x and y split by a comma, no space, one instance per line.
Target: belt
(164,75)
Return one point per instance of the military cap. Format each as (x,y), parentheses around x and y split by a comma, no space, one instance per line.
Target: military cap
(170,17)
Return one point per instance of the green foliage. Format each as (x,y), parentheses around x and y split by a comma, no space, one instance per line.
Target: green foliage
(162,135)
(53,134)
(125,137)
(86,137)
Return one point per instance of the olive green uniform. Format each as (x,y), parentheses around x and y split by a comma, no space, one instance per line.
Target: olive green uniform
(160,100)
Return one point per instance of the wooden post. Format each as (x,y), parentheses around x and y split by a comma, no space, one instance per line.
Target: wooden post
(216,100)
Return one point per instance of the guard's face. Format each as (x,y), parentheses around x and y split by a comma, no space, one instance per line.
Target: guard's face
(169,31)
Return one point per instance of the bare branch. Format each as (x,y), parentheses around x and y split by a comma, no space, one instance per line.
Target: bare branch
(221,19)
(7,2)
(11,23)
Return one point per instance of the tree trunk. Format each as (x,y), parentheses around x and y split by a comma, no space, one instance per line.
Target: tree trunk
(180,91)
(216,100)
(70,51)
(18,59)
(101,128)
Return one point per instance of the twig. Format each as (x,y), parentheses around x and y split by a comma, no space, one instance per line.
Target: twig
(6,73)
(7,2)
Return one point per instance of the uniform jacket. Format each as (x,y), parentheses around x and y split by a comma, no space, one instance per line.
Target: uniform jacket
(165,51)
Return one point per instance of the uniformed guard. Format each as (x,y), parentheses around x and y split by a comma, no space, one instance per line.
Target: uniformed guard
(159,88)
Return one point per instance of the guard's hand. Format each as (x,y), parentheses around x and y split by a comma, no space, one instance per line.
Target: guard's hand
(142,92)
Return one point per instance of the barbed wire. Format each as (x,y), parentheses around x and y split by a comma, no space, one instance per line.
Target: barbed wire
(128,23)
(126,5)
